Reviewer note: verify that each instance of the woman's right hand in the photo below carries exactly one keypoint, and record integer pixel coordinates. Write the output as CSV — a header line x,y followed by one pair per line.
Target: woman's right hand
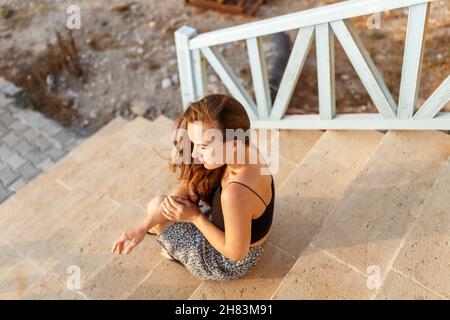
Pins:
x,y
134,235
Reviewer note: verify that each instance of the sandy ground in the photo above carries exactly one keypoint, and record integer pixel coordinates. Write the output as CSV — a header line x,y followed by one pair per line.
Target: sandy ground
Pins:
x,y
129,54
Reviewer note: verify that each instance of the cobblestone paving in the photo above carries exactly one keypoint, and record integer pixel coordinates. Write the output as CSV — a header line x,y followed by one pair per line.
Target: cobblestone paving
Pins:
x,y
29,143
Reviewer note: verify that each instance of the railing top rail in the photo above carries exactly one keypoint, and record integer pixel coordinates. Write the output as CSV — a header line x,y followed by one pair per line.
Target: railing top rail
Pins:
x,y
304,18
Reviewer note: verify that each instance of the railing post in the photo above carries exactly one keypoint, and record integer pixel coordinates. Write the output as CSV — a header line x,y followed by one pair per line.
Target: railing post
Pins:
x,y
435,102
412,60
325,71
199,69
259,76
291,73
185,64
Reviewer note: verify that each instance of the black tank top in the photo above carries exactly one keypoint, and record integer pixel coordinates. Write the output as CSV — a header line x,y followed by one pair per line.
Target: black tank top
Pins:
x,y
260,225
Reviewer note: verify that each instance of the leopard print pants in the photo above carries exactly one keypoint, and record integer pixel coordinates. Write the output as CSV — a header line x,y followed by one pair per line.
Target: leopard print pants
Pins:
x,y
185,243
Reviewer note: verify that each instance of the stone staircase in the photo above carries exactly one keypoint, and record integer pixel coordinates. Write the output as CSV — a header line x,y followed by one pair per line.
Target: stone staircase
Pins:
x,y
350,205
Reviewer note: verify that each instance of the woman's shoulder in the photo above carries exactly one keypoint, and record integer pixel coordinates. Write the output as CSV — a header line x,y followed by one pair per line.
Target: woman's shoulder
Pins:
x,y
254,180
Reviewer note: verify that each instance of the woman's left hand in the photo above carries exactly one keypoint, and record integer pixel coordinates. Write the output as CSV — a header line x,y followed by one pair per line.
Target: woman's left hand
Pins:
x,y
180,209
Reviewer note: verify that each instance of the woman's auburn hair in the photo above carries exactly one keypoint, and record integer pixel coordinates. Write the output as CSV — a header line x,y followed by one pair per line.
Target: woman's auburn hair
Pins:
x,y
218,111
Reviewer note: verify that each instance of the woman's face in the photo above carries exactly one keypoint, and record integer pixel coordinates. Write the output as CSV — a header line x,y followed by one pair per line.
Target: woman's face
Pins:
x,y
208,145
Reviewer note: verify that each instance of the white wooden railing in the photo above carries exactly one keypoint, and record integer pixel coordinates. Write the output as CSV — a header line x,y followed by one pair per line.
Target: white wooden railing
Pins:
x,y
193,51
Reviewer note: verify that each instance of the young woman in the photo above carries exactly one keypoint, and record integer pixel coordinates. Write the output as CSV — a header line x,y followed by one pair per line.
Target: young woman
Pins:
x,y
217,221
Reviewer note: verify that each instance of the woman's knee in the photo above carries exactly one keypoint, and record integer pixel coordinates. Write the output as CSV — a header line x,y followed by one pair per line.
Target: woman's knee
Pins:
x,y
154,203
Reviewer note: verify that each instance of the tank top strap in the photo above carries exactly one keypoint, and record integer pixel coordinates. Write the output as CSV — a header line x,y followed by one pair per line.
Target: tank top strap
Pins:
x,y
250,190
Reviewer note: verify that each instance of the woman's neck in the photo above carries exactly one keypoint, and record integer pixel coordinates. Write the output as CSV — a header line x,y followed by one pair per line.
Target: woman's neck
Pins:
x,y
235,168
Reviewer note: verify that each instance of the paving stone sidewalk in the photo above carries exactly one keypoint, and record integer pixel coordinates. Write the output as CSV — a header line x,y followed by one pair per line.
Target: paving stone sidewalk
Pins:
x,y
29,143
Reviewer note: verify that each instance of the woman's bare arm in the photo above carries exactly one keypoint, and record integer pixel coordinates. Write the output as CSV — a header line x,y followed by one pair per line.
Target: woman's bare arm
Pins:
x,y
234,243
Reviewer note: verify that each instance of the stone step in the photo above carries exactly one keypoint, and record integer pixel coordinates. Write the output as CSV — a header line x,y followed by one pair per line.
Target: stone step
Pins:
x,y
363,234
293,147
114,277
18,279
47,200
48,239
104,155
70,215
134,153
399,287
82,156
31,191
92,251
49,287
318,184
257,284
8,257
105,276
421,268
167,281
160,183
301,206
122,275
90,145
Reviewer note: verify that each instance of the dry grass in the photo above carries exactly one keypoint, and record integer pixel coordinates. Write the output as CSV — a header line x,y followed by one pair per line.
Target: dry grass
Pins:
x,y
32,78
6,12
